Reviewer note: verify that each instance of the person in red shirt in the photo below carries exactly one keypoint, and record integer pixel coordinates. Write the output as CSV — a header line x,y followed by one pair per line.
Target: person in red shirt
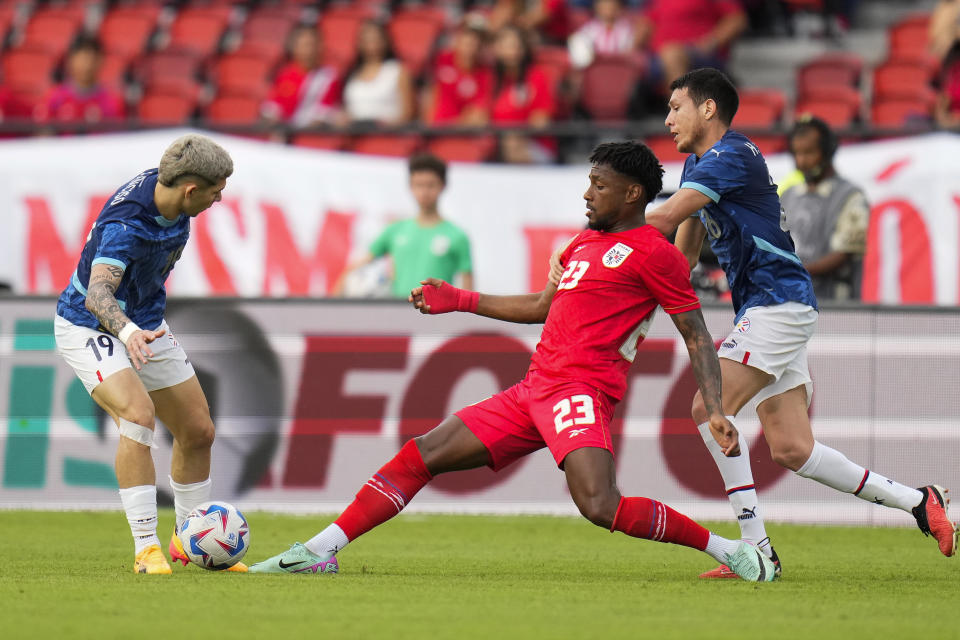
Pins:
x,y
618,272
947,110
522,95
81,99
461,85
689,34
304,92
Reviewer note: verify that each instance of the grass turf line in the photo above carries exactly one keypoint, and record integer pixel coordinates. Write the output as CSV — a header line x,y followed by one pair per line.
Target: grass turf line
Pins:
x,y
70,575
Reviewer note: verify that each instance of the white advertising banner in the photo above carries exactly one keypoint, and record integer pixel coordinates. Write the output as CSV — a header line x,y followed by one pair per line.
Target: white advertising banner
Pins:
x,y
291,218
311,398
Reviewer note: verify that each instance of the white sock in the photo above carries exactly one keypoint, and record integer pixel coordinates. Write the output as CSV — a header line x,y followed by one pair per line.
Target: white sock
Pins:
x,y
188,496
140,505
328,542
738,482
830,467
719,548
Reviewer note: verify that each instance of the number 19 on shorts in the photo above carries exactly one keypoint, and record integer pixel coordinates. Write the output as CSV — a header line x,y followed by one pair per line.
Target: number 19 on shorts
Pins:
x,y
572,411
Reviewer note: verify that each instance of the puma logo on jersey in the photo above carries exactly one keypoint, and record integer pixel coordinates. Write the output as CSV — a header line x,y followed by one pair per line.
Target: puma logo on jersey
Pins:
x,y
579,247
616,255
716,152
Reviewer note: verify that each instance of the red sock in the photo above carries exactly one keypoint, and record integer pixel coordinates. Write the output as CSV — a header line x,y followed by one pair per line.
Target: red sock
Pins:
x,y
652,520
386,493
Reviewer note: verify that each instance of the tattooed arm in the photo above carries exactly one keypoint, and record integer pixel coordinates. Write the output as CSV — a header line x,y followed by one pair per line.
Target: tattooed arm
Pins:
x,y
102,303
706,369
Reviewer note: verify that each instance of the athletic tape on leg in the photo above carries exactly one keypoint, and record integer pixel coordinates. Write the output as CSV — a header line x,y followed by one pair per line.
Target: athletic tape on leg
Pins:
x,y
136,432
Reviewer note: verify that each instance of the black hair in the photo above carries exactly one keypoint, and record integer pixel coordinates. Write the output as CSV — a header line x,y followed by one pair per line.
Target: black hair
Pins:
x,y
500,71
710,84
634,160
86,42
826,138
388,51
429,162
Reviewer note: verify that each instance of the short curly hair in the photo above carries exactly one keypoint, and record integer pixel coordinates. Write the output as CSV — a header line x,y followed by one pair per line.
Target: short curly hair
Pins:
x,y
634,160
194,156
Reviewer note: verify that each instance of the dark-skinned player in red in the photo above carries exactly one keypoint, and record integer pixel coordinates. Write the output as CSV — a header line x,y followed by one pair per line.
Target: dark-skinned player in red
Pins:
x,y
617,272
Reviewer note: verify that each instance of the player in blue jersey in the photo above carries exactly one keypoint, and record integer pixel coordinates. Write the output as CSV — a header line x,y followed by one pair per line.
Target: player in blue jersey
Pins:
x,y
726,194
110,328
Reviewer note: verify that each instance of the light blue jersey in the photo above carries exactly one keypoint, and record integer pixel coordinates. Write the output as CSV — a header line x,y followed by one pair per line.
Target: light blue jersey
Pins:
x,y
131,234
743,222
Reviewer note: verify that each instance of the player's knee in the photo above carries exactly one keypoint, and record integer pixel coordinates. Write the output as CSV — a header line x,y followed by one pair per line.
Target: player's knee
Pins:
x,y
139,412
789,455
599,509
198,436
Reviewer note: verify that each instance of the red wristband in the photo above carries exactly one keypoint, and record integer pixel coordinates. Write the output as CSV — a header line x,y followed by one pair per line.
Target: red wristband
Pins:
x,y
447,298
468,300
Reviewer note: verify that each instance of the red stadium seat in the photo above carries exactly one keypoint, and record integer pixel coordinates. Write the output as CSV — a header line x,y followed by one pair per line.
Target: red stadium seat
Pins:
x,y
233,110
126,33
327,141
413,33
242,74
608,84
463,148
386,145
899,112
198,31
759,109
839,93
770,144
910,35
338,28
665,149
901,79
52,29
554,60
838,115
835,68
113,70
26,69
266,31
168,66
165,109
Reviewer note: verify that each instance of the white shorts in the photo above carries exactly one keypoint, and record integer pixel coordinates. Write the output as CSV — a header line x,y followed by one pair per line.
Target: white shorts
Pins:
x,y
96,355
774,339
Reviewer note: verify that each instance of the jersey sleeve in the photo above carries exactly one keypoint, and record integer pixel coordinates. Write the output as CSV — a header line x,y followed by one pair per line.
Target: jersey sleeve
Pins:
x,y
119,246
381,245
666,274
717,174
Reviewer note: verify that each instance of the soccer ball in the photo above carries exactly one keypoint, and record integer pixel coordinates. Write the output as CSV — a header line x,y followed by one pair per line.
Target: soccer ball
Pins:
x,y
215,535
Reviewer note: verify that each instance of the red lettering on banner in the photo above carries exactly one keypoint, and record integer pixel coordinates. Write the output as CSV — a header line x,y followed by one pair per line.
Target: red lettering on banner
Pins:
x,y
892,169
541,243
323,410
47,248
284,259
427,396
916,256
218,277
687,457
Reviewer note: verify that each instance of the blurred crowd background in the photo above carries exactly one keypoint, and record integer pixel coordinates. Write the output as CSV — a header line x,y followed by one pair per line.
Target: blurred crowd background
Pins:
x,y
522,81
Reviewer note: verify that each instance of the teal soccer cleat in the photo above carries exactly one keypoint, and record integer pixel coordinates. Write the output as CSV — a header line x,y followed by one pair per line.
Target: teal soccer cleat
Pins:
x,y
751,564
296,559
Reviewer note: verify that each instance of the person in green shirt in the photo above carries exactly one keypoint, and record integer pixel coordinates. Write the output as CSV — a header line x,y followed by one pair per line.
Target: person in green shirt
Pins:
x,y
426,246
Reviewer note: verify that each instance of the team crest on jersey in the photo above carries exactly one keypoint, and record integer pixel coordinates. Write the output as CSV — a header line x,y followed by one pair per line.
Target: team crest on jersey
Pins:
x,y
744,325
616,255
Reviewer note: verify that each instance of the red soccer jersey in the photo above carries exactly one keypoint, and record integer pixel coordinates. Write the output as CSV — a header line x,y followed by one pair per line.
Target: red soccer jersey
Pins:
x,y
686,21
604,304
458,89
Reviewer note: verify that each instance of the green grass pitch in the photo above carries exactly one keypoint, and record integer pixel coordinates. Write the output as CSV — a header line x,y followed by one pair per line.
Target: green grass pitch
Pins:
x,y
68,575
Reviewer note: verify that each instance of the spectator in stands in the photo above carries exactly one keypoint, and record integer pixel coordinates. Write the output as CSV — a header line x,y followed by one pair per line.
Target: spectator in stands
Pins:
x,y
427,246
304,92
547,20
947,111
826,214
522,95
610,32
944,27
461,83
81,98
688,34
377,88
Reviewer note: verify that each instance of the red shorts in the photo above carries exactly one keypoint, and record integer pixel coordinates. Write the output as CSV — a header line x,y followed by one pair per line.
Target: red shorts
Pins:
x,y
538,412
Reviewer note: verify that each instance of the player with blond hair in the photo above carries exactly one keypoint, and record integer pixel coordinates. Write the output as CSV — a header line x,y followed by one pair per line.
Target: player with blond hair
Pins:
x,y
110,329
